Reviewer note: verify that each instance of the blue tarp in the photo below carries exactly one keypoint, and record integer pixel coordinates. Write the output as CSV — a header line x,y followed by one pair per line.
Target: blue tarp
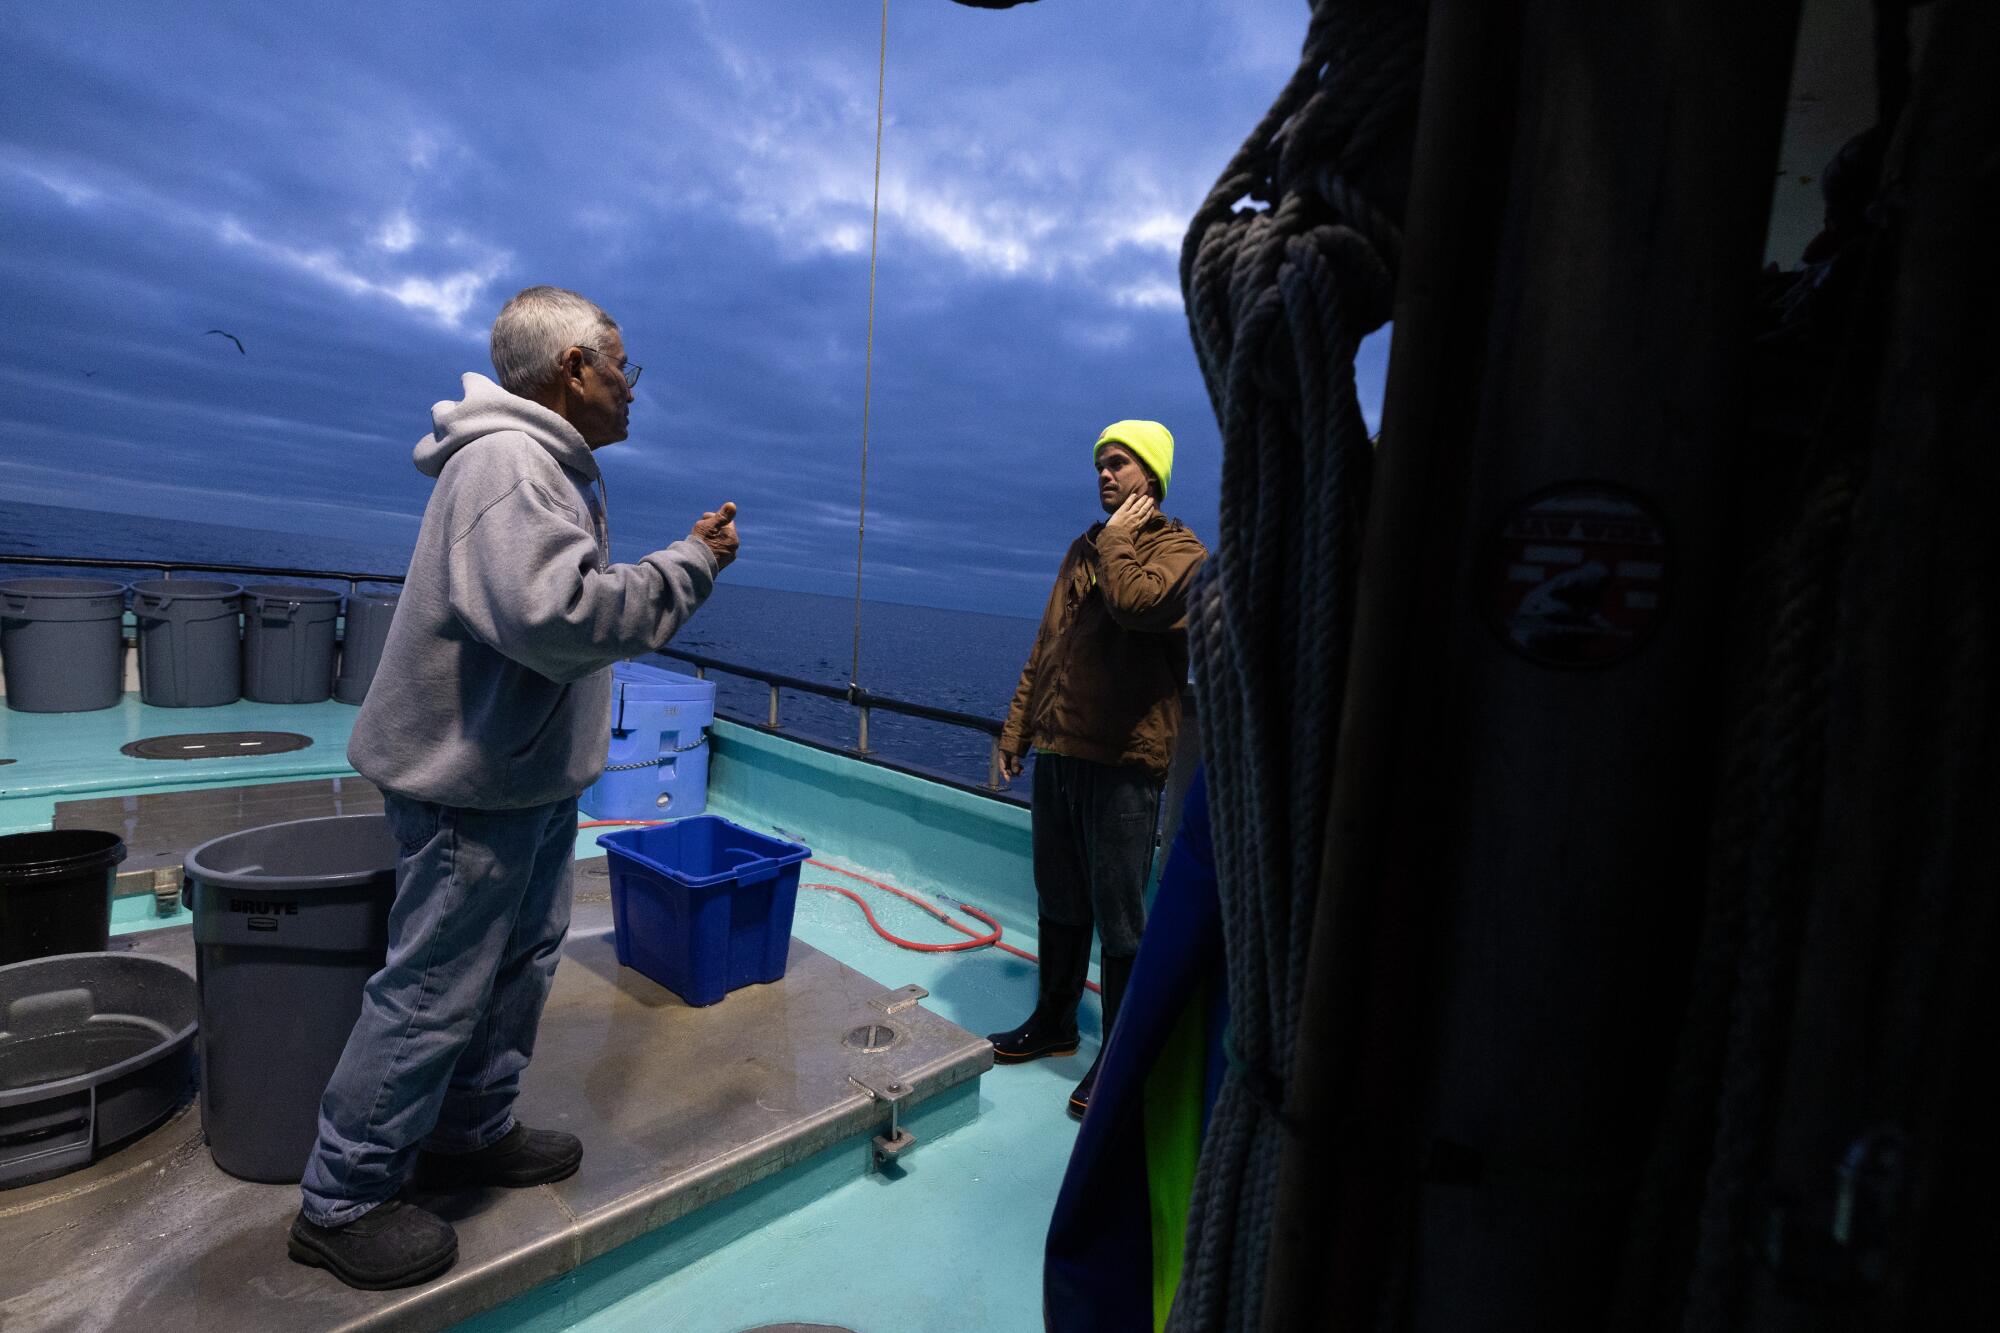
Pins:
x,y
1101,1271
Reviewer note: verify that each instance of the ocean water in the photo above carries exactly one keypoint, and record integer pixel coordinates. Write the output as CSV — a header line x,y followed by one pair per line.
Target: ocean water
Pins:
x,y
960,660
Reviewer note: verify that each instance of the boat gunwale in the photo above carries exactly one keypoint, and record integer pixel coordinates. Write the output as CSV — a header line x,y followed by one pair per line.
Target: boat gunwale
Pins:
x,y
853,695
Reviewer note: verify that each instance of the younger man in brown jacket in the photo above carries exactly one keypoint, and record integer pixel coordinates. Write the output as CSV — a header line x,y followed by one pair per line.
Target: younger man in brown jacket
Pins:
x,y
1099,703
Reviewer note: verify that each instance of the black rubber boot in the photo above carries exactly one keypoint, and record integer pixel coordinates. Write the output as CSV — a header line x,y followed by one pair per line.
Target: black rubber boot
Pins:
x,y
393,1244
1113,975
519,1158
1051,1029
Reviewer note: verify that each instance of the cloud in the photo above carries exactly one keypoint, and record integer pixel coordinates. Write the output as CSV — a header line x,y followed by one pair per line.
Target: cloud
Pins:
x,y
397,233
421,150
445,297
967,177
1159,231
974,221
322,184
1155,294
73,192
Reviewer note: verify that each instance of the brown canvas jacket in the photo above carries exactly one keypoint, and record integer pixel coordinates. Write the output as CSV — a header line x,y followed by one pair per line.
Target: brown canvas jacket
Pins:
x,y
1104,679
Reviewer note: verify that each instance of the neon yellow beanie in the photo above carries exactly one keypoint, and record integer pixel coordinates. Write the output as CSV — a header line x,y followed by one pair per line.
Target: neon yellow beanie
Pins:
x,y
1150,442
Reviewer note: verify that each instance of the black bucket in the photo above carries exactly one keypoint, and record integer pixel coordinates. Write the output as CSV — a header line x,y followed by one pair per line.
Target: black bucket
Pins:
x,y
55,892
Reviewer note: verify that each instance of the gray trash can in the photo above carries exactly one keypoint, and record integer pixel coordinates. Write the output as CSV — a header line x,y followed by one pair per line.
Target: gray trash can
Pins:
x,y
63,642
190,642
290,921
368,617
288,643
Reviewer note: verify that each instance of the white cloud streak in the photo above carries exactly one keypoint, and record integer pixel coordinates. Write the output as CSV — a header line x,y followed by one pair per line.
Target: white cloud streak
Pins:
x,y
1002,204
445,294
445,297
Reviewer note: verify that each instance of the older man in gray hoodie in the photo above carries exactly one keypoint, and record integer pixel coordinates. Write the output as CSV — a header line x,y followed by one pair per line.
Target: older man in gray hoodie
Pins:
x,y
489,713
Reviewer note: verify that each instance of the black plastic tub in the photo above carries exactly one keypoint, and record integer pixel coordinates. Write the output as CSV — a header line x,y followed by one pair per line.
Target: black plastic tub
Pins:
x,y
55,892
95,1049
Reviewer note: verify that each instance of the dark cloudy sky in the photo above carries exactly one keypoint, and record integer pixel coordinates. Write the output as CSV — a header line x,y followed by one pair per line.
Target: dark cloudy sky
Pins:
x,y
354,189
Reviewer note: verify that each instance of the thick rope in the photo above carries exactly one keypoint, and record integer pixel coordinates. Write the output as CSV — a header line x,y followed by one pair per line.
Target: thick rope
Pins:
x,y
868,365
1653,1269
1872,948
1695,1220
1278,300
1789,776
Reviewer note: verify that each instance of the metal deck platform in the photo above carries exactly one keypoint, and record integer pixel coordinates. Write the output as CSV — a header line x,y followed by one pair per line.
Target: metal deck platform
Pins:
x,y
159,828
677,1108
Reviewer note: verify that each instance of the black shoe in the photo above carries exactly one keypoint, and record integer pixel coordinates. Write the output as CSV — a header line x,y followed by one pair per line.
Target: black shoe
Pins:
x,y
393,1244
1115,974
517,1159
1036,1039
1079,1101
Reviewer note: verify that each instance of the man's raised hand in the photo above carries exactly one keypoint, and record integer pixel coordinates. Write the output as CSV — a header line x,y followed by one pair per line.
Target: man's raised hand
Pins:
x,y
717,531
1135,513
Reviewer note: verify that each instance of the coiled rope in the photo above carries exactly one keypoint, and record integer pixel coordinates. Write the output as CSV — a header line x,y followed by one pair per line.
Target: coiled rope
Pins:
x,y
1280,292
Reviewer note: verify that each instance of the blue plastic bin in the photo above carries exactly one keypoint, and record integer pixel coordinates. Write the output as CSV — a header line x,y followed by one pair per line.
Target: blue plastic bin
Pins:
x,y
658,766
701,905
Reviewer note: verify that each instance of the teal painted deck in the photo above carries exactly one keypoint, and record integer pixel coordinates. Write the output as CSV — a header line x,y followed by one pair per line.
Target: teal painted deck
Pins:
x,y
949,1240
62,756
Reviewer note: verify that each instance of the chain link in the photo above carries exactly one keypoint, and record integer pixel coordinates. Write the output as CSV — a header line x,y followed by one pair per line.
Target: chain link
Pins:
x,y
655,763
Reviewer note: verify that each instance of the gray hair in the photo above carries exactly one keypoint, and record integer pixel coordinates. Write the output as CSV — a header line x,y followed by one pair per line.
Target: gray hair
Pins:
x,y
534,329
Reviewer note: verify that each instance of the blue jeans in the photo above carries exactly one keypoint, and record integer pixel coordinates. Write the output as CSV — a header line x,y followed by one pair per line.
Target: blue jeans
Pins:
x,y
448,1024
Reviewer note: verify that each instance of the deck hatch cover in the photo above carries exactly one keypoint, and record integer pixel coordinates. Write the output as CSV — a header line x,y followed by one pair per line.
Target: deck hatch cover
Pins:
x,y
873,1037
215,744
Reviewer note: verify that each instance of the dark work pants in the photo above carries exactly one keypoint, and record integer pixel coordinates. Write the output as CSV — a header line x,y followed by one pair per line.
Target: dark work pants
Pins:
x,y
1093,830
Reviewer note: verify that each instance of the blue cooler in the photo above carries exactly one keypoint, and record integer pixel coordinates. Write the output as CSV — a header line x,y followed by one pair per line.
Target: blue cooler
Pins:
x,y
701,905
658,767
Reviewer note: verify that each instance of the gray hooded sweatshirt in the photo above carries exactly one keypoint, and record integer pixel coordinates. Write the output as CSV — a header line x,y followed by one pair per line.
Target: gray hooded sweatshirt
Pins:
x,y
494,690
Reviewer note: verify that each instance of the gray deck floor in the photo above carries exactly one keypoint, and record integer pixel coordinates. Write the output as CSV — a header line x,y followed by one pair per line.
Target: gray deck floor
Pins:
x,y
677,1107
159,828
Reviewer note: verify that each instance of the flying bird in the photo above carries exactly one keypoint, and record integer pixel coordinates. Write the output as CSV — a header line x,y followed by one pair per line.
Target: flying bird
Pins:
x,y
232,337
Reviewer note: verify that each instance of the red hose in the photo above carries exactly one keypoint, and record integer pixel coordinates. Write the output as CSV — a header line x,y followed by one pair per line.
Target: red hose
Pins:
x,y
977,941
974,939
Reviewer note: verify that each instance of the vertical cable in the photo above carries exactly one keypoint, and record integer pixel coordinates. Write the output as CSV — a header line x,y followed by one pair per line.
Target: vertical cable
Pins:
x,y
868,372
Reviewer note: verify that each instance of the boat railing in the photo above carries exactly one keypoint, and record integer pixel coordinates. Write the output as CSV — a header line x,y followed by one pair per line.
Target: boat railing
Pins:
x,y
168,568
863,701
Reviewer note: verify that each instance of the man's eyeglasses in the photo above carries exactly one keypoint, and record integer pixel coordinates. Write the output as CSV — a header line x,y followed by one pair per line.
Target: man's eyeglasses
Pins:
x,y
625,368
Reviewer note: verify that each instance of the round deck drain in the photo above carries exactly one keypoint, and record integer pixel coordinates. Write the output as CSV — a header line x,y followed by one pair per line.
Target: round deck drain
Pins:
x,y
593,881
872,1037
215,744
